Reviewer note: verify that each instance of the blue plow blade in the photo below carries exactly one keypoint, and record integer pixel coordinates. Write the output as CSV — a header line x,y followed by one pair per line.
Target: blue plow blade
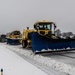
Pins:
x,y
13,41
40,43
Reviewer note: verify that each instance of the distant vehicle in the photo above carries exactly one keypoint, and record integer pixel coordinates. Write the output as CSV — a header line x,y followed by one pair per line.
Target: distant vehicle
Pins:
x,y
3,38
14,37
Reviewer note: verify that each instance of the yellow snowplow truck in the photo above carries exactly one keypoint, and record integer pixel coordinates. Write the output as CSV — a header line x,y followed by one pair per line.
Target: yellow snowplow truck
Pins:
x,y
43,38
14,37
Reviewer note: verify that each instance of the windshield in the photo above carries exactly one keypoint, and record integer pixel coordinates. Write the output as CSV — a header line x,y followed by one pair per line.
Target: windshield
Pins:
x,y
16,32
45,26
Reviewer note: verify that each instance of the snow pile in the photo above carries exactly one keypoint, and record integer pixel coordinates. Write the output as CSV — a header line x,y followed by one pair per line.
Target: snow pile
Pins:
x,y
62,67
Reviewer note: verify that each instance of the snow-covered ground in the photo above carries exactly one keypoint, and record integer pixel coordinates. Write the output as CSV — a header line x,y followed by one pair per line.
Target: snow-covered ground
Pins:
x,y
13,64
49,62
64,57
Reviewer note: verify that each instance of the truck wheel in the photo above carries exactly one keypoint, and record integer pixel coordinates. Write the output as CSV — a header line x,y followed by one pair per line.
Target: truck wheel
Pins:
x,y
24,43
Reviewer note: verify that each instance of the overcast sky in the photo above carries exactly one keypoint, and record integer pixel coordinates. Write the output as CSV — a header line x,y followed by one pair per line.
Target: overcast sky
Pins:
x,y
18,14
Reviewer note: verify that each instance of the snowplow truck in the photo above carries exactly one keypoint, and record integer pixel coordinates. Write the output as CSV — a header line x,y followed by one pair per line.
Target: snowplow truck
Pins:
x,y
14,38
42,38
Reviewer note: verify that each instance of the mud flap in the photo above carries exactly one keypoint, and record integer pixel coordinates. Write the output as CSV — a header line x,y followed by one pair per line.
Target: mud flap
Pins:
x,y
41,43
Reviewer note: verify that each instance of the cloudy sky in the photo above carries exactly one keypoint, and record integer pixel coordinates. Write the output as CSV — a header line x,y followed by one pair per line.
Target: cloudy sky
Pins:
x,y
18,14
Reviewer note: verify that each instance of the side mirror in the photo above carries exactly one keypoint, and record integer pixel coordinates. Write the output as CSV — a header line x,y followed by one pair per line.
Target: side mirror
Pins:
x,y
36,27
55,26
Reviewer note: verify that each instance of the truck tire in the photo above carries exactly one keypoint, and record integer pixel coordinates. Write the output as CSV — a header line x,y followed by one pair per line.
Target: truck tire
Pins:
x,y
24,43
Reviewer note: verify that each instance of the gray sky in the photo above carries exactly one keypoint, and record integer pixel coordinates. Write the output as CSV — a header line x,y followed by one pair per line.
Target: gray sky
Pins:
x,y
18,14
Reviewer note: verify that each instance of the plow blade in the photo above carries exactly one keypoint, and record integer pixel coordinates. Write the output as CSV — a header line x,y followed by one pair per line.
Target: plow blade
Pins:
x,y
13,41
41,43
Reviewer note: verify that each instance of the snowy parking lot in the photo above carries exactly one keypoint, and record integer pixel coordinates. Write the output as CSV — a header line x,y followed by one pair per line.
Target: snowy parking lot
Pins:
x,y
49,64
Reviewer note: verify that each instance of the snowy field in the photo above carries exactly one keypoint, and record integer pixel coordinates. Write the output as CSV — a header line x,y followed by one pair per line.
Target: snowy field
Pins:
x,y
58,65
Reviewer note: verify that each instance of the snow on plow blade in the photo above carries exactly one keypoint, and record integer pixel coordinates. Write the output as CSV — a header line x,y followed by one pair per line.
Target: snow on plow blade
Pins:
x,y
41,43
13,41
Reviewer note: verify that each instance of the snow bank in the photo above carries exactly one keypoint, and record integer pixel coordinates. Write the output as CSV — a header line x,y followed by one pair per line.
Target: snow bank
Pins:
x,y
62,67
